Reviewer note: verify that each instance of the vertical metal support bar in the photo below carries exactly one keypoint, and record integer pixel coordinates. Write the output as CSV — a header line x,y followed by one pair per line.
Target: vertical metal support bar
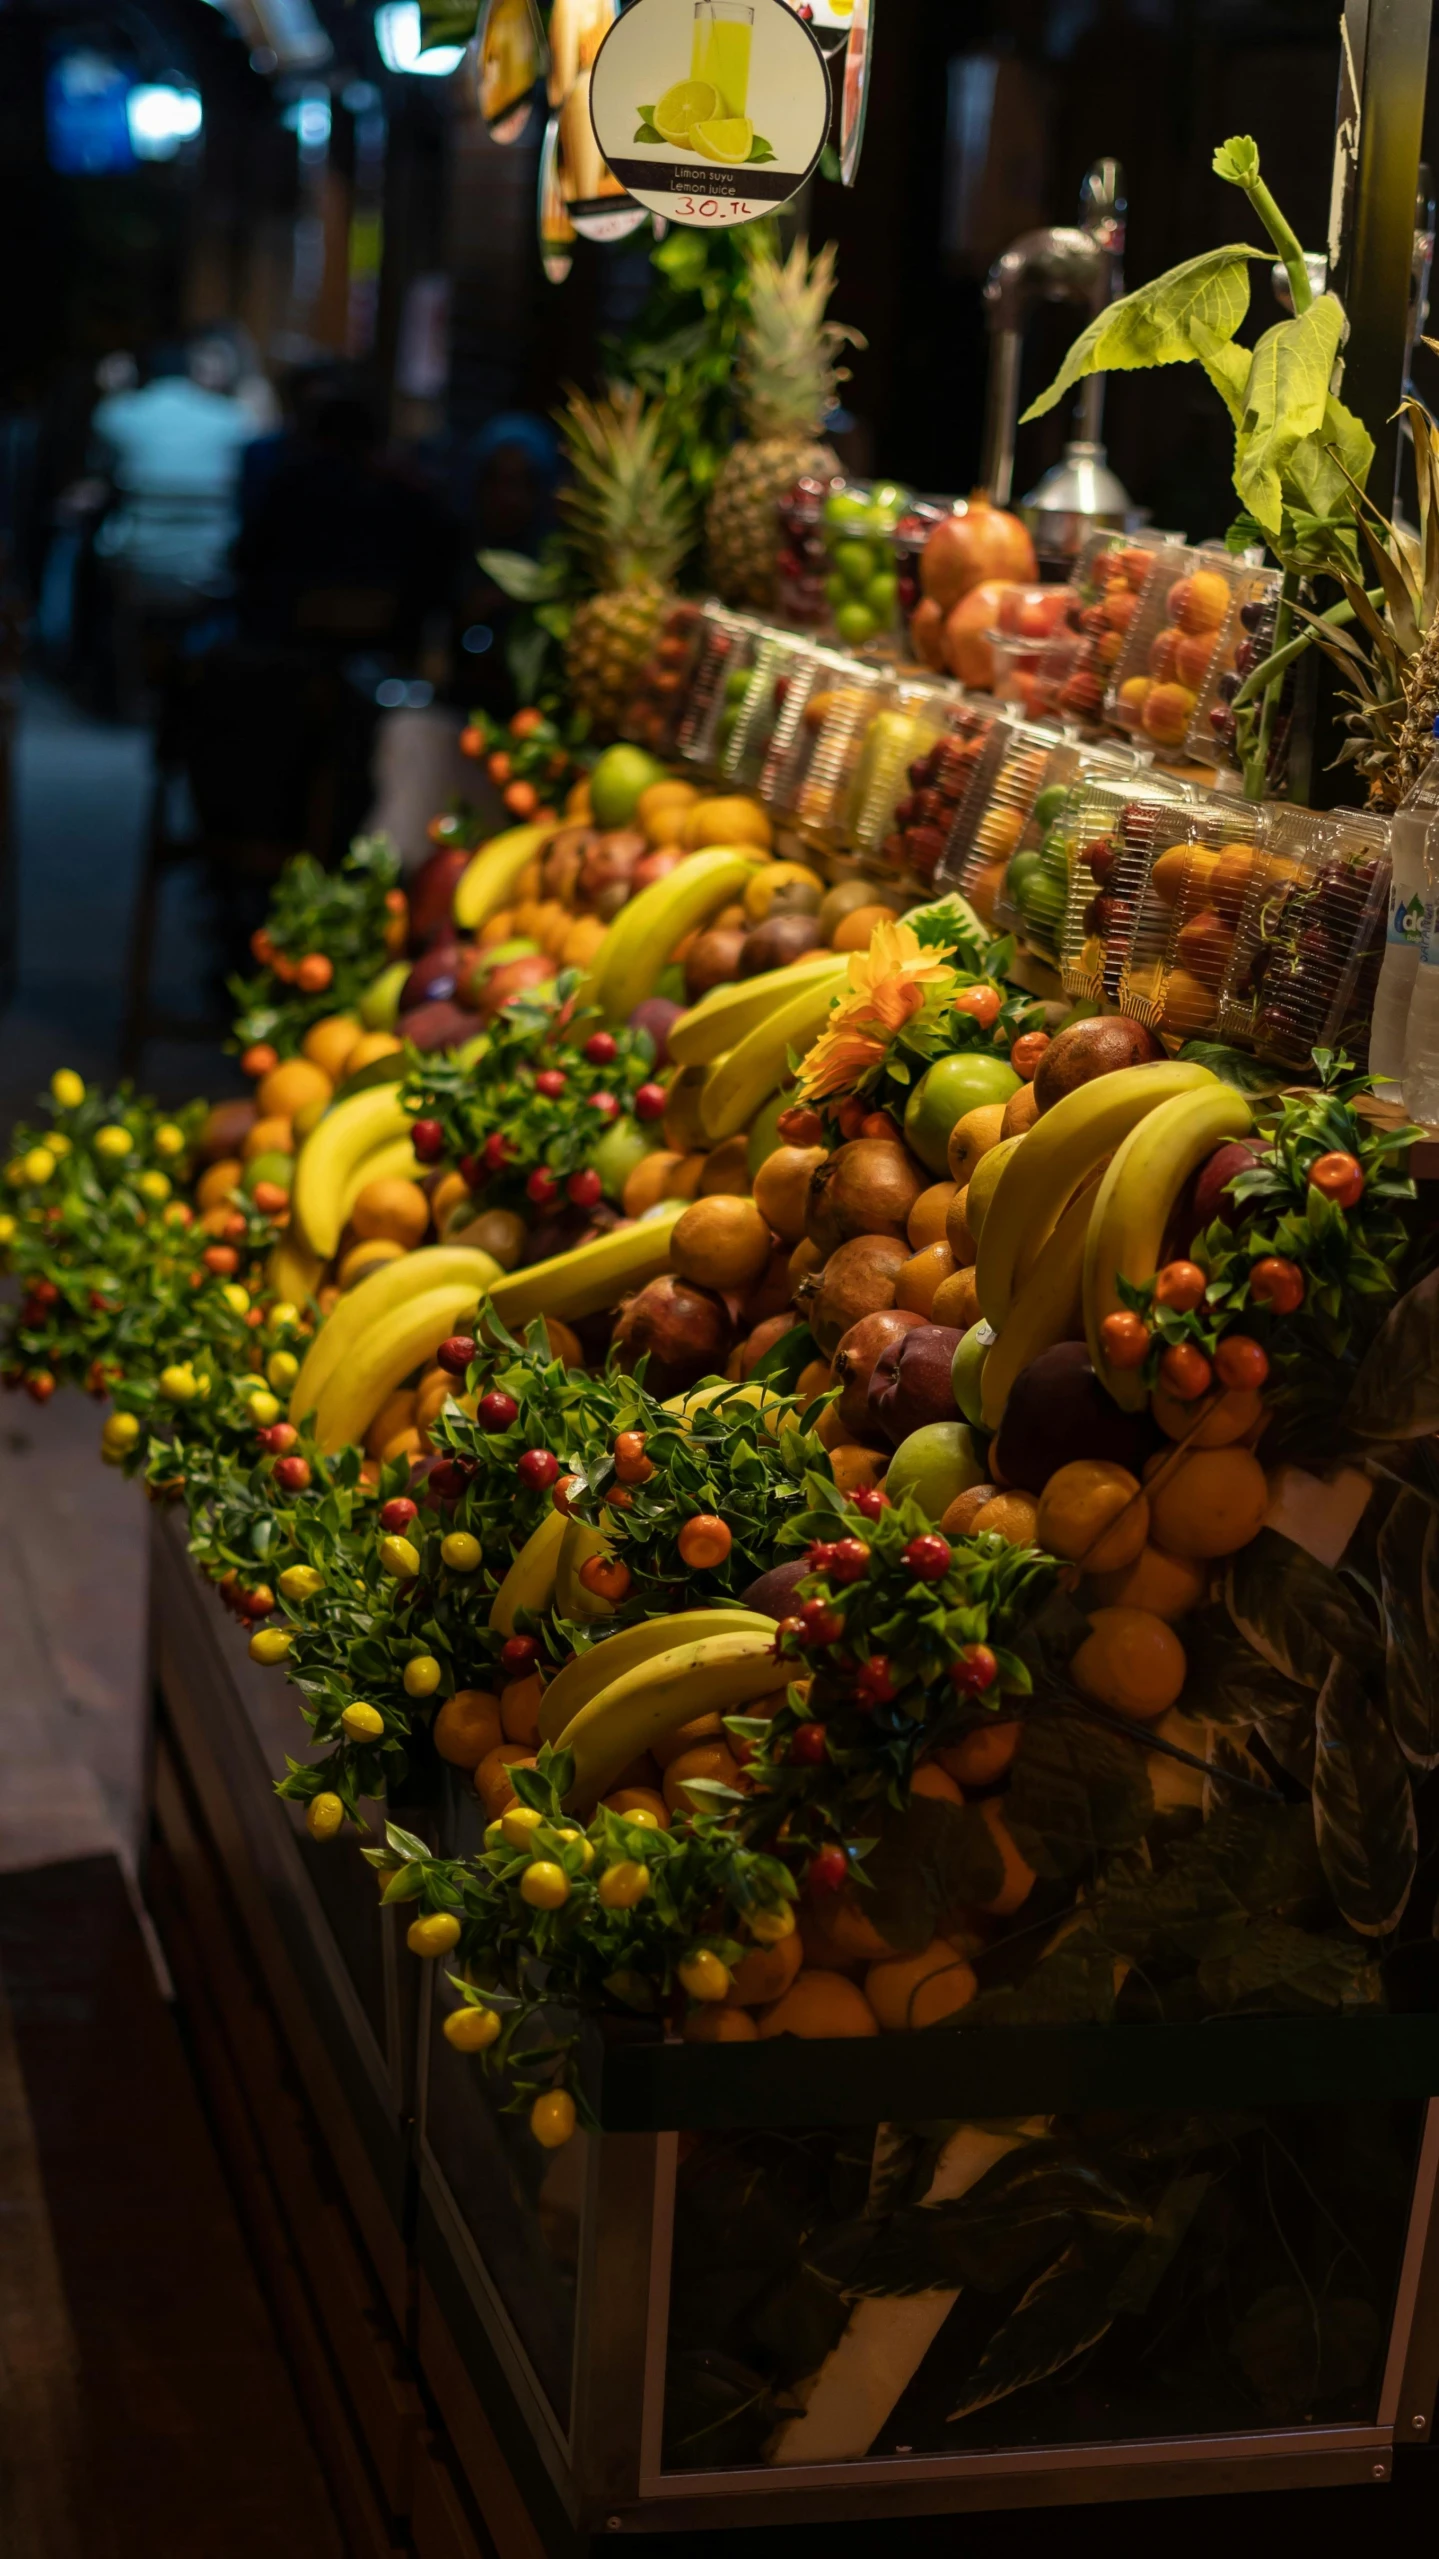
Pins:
x,y
1381,93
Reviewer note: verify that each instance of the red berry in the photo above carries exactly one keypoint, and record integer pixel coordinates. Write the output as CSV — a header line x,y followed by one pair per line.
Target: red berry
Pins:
x,y
279,1437
1277,1284
496,1150
606,1104
473,1172
455,1355
1180,1286
819,1625
446,1481
292,1474
1241,1362
542,1186
602,1048
849,1560
428,1140
819,1557
790,1630
650,1102
222,1259
870,1501
551,1081
800,1126
828,1871
585,1188
44,1292
497,1410
806,1745
518,1654
537,1469
927,1556
1124,1339
1340,1177
396,1516
874,1683
975,1670
1185,1371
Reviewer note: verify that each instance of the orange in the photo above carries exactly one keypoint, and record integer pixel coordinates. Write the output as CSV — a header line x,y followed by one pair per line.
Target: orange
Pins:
x,y
520,1710
1018,1880
982,1756
268,1137
1094,1514
917,1280
956,1301
1132,1661
1226,1417
452,1192
492,1777
957,1233
1167,1585
397,1413
328,1044
374,1044
840,1932
364,1258
1020,1111
854,931
396,1209
720,1242
929,1215
920,1990
563,1343
431,1396
648,1184
854,1469
1011,1515
639,1799
683,1737
407,1443
467,1727
764,1973
931,1780
218,1182
820,2004
716,2024
711,1759
1212,1504
288,1087
960,1517
970,1137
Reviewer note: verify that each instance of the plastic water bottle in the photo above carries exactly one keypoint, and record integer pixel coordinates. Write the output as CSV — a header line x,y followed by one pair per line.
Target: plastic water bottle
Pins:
x,y
1396,994
1421,1045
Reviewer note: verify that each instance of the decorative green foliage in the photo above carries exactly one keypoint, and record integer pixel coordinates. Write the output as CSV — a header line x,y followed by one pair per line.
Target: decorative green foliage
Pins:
x,y
1155,325
343,915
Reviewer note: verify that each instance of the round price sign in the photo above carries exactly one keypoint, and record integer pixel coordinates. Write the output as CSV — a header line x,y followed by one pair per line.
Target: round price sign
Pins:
x,y
710,111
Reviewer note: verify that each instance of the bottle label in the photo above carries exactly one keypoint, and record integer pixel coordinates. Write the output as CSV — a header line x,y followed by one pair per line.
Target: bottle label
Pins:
x,y
1406,918
1429,946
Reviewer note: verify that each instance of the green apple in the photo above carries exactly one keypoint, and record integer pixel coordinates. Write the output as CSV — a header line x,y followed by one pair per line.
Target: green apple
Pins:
x,y
968,1369
270,1167
380,1004
1049,803
617,781
624,1145
953,1086
936,1463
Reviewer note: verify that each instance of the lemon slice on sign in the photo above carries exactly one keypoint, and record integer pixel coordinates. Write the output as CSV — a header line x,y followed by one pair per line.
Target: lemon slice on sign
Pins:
x,y
728,138
684,106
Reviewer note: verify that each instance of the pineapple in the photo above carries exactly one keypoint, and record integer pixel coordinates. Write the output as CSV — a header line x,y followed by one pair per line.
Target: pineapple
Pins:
x,y
787,381
631,519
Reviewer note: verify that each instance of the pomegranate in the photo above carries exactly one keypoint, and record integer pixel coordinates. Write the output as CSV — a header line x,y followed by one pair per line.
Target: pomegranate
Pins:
x,y
967,652
972,546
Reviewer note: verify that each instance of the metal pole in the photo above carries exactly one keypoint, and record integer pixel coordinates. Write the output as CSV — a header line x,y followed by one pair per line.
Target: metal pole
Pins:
x,y
1376,173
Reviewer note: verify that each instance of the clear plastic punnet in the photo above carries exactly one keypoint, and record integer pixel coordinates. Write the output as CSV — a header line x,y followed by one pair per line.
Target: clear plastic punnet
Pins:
x,y
813,782
657,705
726,647
1244,641
1310,940
1115,825
997,824
1187,900
1170,639
1087,636
900,738
751,718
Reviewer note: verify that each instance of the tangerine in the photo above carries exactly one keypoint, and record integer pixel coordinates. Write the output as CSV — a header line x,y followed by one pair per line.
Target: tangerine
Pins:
x,y
1130,1660
710,1759
983,1755
920,1990
467,1727
1212,1505
1093,1513
714,2024
1018,1879
1167,1585
1226,1417
393,1208
934,1783
639,1799
929,1216
1014,1516
492,1777
764,1973
917,1281
820,2005
287,1088
960,1517
956,1301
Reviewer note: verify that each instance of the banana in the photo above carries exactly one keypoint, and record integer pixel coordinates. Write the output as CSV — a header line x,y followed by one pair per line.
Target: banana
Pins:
x,y
382,1359
741,1083
1133,1206
292,1273
1048,1308
394,1162
1052,1160
415,1275
349,1131
530,1581
644,933
585,1674
729,1013
592,1276
489,883
714,1674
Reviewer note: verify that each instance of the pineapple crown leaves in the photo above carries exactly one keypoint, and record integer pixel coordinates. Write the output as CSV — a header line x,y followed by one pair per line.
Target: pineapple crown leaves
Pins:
x,y
789,370
629,512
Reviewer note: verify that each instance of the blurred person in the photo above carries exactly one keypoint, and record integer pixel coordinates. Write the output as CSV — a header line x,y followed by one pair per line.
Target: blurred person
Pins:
x,y
174,452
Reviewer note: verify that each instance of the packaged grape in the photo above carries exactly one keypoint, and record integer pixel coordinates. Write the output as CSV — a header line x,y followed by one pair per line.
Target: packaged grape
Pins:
x,y
813,672
904,733
1116,824
907,549
722,637
804,565
1169,641
776,662
1310,935
656,706
923,818
725,683
1085,645
1187,892
813,785
1245,640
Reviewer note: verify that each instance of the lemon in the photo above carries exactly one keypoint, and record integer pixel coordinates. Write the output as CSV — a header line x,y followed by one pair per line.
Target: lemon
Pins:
x,y
683,107
727,138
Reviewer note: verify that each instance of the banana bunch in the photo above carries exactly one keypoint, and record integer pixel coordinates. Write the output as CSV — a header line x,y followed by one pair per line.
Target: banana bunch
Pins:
x,y
391,1346
332,1165
585,1674
704,1675
530,1582
1063,1150
591,1277
395,1162
729,1013
643,934
1048,1308
741,1081
1134,1203
395,1285
494,874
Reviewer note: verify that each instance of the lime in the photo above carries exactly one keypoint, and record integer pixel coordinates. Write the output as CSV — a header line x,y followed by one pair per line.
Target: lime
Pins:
x,y
1054,857
835,590
845,506
854,562
737,684
726,138
683,107
1050,801
1041,903
1022,868
882,594
854,622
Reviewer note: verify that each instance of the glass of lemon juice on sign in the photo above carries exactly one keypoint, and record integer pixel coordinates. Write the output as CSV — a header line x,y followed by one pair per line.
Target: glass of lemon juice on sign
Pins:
x,y
724,30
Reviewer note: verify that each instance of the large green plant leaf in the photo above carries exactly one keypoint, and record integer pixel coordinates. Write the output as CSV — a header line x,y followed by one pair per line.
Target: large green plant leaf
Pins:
x,y
1065,2311
1396,1393
1363,1806
1295,1611
1072,1985
1295,2349
1078,1792
1274,1968
1155,325
933,1862
1284,402
1408,1558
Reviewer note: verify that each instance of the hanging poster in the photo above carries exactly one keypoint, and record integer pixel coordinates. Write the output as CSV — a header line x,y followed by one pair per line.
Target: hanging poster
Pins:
x,y
830,20
597,203
710,111
854,93
513,58
557,232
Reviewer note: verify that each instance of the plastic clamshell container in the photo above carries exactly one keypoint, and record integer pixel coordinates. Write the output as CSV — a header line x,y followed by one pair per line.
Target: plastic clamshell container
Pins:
x,y
1016,665
1253,591
800,597
857,525
777,659
903,734
726,652
657,705
1190,892
1034,764
1168,645
825,747
1310,937
1113,826
1074,669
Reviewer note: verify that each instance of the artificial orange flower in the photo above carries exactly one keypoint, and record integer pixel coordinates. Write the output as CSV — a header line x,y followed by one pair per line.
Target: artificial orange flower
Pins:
x,y
887,982
838,1061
